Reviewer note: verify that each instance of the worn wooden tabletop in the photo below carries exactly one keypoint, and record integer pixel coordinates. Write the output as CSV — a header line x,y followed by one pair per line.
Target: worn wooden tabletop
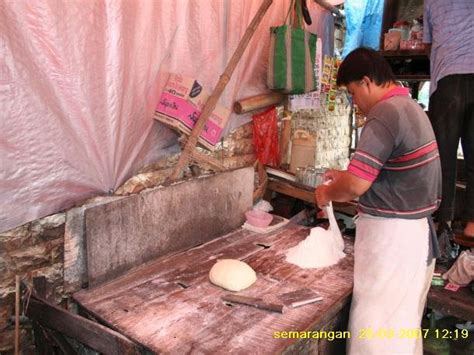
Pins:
x,y
170,306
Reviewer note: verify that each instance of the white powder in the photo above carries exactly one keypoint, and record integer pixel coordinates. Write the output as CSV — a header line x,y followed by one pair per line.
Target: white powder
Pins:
x,y
321,248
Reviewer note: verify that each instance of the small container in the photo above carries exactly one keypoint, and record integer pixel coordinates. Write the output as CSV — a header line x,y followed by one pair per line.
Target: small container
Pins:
x,y
300,174
404,27
258,218
392,39
310,176
320,176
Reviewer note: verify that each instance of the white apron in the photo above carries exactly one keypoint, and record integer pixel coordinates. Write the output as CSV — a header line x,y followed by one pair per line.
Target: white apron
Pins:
x,y
391,281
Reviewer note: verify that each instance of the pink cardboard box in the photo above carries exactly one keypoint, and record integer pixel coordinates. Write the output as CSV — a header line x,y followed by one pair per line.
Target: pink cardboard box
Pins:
x,y
181,104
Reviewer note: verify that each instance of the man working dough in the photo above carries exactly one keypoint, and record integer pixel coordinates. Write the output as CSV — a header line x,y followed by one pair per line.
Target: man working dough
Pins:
x,y
397,175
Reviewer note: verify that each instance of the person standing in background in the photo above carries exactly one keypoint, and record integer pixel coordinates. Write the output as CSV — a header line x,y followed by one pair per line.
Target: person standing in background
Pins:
x,y
449,31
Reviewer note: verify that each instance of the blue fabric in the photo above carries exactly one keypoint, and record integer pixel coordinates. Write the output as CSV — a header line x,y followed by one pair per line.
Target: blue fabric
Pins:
x,y
363,24
449,27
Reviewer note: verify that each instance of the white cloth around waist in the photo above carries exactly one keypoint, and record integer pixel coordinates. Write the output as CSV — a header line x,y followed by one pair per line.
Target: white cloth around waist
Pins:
x,y
391,281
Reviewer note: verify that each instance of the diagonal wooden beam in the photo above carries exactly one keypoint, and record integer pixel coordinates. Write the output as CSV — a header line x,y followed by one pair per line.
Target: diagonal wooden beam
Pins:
x,y
217,92
206,159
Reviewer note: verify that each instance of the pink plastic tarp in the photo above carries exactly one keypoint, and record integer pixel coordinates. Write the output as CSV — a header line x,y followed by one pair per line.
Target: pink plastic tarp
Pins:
x,y
79,81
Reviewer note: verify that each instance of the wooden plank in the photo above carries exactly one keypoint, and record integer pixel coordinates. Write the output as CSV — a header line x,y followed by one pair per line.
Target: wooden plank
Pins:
x,y
324,346
133,230
256,329
306,193
75,254
148,306
75,265
211,161
174,268
302,193
90,333
459,304
405,54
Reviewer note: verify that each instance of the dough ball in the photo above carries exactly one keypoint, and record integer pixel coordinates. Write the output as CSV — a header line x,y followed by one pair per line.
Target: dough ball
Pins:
x,y
231,274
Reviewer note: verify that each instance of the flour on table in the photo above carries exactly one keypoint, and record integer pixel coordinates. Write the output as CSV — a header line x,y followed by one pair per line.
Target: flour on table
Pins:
x,y
321,248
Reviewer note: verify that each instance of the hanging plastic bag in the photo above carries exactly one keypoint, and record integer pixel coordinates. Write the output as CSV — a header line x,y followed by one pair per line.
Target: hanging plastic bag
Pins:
x,y
265,137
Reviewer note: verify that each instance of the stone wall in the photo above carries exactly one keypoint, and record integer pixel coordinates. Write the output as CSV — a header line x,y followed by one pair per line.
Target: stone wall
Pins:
x,y
31,250
331,130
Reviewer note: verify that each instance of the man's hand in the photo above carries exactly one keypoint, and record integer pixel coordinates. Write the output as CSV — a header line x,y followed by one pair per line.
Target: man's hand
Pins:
x,y
321,192
321,196
340,186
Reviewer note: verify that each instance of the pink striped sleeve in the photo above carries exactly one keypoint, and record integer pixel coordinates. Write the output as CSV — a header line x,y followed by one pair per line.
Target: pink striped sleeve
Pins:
x,y
363,174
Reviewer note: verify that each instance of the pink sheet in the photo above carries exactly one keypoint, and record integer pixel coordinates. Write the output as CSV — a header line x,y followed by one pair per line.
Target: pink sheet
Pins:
x,y
79,81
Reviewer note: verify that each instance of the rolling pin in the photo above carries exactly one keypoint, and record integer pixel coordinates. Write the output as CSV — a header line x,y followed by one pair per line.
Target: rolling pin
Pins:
x,y
254,302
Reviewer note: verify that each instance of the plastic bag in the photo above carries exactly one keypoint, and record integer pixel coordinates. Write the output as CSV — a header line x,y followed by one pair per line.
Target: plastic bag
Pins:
x,y
263,205
462,272
265,137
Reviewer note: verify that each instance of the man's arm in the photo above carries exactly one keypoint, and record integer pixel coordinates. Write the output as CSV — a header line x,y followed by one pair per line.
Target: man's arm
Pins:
x,y
343,187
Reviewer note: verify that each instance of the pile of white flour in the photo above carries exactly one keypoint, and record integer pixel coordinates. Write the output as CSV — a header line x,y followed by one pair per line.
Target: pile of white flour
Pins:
x,y
321,248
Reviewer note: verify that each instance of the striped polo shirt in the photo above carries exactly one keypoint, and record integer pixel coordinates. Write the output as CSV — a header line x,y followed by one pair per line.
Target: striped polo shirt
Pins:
x,y
449,27
398,154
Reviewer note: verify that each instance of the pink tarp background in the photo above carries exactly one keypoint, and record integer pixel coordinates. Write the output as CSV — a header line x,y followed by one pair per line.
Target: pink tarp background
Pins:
x,y
79,81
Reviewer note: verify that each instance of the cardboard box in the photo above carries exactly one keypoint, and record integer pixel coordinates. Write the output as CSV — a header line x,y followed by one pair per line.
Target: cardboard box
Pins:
x,y
180,107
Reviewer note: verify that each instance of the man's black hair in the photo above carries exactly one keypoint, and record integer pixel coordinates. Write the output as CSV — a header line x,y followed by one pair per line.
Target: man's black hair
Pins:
x,y
365,62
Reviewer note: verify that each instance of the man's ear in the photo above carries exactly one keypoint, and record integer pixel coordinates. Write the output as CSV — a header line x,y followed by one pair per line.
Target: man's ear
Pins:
x,y
366,80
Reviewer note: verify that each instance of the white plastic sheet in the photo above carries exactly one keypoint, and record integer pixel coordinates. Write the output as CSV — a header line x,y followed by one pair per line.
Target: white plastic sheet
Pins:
x,y
79,81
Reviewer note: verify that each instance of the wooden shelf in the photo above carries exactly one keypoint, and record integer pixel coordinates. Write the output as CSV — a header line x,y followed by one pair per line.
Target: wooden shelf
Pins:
x,y
296,190
457,304
412,77
412,66
306,193
405,54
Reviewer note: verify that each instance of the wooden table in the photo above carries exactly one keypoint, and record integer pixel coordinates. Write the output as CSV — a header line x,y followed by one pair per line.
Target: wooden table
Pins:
x,y
169,305
458,304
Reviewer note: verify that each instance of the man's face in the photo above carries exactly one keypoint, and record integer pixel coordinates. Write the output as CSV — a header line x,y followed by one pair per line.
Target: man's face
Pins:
x,y
360,92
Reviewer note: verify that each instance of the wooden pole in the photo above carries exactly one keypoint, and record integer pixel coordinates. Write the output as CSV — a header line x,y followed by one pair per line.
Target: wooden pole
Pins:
x,y
217,92
285,138
257,102
17,314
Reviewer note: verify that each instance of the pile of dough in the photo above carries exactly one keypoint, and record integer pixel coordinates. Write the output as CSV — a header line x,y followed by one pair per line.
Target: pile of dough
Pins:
x,y
231,274
321,248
